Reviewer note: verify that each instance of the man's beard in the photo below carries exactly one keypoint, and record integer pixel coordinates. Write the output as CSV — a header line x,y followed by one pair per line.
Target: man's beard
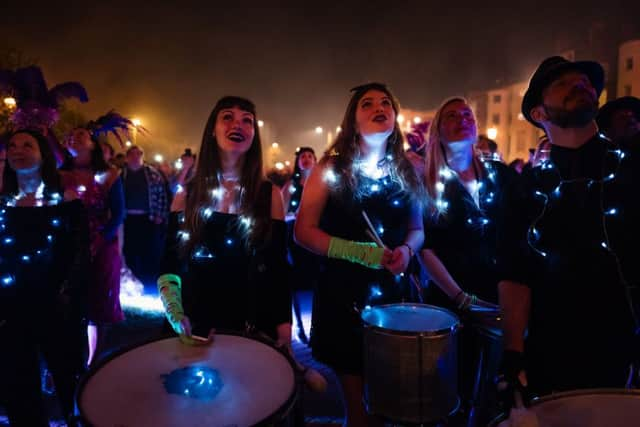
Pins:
x,y
579,117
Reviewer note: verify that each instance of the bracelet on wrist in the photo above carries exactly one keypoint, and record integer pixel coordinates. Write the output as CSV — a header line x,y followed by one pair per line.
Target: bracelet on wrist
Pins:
x,y
411,252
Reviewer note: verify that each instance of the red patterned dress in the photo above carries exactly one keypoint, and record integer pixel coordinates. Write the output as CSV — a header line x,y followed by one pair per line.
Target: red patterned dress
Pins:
x,y
103,197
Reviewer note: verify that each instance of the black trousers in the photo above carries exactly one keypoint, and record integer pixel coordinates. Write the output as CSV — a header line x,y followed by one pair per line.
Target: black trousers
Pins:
x,y
144,244
58,340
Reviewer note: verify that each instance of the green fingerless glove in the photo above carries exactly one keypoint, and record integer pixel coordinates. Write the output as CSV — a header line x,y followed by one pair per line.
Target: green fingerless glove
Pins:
x,y
169,289
364,253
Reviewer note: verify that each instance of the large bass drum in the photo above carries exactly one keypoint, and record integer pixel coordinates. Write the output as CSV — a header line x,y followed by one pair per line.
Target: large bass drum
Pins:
x,y
235,381
582,408
410,362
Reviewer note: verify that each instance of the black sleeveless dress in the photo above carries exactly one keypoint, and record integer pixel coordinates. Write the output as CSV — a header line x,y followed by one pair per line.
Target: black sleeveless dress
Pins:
x,y
44,259
227,285
345,288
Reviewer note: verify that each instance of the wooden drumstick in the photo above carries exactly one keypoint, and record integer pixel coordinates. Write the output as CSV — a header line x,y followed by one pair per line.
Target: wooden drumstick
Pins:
x,y
195,340
372,231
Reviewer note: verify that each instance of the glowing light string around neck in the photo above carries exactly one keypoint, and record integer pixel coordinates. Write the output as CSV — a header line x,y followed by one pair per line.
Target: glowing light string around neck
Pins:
x,y
534,234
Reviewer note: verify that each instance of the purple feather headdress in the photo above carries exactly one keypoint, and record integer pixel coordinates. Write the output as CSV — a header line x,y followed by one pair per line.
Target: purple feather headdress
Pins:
x,y
115,124
37,105
416,137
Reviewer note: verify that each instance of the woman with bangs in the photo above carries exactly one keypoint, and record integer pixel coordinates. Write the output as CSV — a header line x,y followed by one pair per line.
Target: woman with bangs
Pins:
x,y
226,255
364,172
460,225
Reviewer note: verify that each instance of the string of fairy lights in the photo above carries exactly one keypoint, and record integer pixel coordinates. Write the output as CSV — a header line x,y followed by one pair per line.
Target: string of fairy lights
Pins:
x,y
606,213
9,240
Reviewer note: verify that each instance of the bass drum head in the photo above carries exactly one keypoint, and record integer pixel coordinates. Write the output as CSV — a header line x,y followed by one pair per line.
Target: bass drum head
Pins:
x,y
255,382
584,408
410,318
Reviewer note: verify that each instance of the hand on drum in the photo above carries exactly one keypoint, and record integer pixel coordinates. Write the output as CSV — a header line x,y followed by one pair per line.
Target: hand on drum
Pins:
x,y
511,382
396,261
470,303
186,337
520,415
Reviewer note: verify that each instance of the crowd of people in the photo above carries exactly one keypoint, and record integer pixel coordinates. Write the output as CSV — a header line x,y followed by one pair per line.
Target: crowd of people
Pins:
x,y
548,244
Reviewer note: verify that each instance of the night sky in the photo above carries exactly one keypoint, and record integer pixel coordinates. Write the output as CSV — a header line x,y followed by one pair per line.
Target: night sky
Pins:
x,y
168,62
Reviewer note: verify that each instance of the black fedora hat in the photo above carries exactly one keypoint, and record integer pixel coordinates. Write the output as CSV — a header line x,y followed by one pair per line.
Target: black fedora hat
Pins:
x,y
625,103
548,71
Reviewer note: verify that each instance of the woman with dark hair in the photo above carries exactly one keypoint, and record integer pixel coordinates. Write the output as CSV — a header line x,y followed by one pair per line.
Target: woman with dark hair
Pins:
x,y
292,190
226,256
44,243
99,187
363,172
305,267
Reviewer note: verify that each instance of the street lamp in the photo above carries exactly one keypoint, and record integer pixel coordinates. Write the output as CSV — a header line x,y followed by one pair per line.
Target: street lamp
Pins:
x,y
10,102
136,122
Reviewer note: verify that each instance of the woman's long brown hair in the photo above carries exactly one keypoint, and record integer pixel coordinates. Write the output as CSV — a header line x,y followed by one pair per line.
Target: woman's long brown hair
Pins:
x,y
208,177
345,150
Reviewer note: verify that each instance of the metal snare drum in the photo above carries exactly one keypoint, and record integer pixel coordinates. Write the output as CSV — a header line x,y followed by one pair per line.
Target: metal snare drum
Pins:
x,y
410,362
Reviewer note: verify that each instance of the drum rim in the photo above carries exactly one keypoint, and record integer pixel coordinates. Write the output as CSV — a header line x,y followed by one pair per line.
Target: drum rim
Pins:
x,y
572,393
281,412
439,332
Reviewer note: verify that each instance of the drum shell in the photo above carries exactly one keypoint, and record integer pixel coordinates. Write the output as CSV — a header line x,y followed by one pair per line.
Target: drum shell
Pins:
x,y
411,377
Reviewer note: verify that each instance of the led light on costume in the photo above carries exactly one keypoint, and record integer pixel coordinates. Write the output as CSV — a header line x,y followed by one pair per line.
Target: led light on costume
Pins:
x,y
100,178
533,235
202,253
206,212
7,281
330,177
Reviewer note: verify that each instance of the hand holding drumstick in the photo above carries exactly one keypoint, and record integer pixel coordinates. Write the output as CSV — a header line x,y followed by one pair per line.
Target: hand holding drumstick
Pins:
x,y
396,260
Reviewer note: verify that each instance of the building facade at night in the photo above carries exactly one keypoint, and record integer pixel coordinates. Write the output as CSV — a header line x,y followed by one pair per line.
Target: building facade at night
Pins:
x,y
498,109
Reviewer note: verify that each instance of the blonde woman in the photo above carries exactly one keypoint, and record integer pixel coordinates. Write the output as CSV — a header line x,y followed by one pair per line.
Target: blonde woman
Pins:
x,y
460,225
